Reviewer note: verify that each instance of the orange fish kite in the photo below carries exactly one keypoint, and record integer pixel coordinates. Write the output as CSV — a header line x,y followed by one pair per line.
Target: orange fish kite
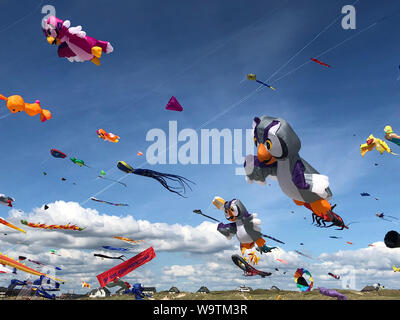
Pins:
x,y
107,136
17,104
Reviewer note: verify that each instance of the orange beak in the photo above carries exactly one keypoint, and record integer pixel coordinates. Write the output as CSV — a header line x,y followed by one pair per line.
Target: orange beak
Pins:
x,y
264,156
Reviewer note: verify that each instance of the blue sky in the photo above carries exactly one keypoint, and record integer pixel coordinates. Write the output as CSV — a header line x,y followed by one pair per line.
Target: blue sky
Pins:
x,y
200,52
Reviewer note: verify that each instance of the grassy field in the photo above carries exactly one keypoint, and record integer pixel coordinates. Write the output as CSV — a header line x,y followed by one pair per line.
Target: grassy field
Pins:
x,y
265,295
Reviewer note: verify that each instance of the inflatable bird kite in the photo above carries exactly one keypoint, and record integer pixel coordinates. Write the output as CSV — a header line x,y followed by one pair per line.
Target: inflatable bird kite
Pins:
x,y
278,157
73,43
375,143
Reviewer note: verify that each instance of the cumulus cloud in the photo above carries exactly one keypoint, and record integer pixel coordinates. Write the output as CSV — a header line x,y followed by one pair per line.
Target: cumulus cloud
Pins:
x,y
202,243
100,229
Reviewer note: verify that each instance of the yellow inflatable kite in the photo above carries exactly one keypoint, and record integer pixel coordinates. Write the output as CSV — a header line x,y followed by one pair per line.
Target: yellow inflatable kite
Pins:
x,y
375,143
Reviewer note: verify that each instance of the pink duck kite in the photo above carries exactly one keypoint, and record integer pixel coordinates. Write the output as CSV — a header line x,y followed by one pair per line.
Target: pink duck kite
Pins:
x,y
73,43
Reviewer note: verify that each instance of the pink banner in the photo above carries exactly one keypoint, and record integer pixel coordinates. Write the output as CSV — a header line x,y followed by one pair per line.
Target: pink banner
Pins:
x,y
126,267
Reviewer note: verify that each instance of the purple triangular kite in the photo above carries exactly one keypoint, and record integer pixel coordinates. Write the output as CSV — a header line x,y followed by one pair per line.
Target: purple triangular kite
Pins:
x,y
174,105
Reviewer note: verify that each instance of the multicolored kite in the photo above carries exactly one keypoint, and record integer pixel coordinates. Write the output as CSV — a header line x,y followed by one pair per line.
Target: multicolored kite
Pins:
x,y
253,77
5,260
58,154
79,162
128,240
52,227
106,136
391,136
301,282
6,201
375,143
11,225
74,44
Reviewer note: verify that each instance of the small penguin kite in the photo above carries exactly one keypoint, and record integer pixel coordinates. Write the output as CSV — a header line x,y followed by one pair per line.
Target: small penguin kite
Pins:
x,y
17,104
73,43
245,226
375,143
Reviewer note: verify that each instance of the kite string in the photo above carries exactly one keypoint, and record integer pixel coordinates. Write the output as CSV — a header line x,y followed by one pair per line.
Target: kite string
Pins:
x,y
308,44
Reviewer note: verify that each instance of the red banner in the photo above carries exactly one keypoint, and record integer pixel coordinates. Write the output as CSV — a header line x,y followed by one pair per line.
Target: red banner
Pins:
x,y
126,267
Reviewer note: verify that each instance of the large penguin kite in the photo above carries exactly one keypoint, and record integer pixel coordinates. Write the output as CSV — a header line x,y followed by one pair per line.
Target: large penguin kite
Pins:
x,y
278,156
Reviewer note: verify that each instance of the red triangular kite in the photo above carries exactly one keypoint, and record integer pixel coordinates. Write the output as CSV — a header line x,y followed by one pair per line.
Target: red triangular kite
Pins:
x,y
174,105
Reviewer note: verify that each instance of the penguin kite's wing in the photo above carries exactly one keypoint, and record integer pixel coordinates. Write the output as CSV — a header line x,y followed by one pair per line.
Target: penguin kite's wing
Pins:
x,y
259,172
228,230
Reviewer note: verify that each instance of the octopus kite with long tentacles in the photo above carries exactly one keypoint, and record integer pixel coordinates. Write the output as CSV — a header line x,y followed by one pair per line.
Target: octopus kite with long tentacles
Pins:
x,y
160,177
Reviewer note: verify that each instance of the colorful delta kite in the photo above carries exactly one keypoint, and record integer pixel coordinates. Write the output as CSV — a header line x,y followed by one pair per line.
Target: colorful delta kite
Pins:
x,y
79,162
5,260
17,104
160,177
174,105
85,285
58,154
301,282
133,242
73,43
140,153
331,293
6,201
248,270
110,203
278,156
375,143
391,136
11,225
245,226
126,267
52,227
320,62
253,77
106,136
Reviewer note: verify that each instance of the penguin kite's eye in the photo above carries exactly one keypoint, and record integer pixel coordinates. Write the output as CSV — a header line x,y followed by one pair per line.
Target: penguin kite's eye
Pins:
x,y
235,210
268,144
